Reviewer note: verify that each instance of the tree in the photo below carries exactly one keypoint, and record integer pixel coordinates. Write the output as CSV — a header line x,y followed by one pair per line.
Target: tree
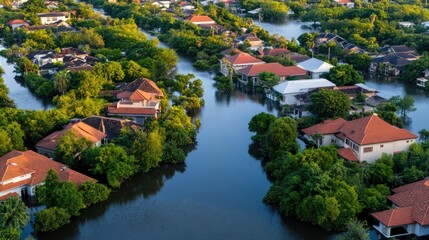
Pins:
x,y
424,135
70,146
268,79
114,163
261,122
93,193
62,81
355,231
55,193
343,75
25,65
13,214
148,149
405,104
329,104
281,137
50,219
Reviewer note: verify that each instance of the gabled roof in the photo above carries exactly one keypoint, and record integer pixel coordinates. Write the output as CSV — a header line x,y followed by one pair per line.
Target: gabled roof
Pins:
x,y
413,205
81,129
400,49
248,36
199,18
37,165
276,68
243,58
348,154
326,127
300,86
315,65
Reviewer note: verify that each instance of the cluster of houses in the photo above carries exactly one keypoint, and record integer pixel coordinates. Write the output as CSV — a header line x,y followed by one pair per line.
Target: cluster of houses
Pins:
x,y
55,21
21,172
393,60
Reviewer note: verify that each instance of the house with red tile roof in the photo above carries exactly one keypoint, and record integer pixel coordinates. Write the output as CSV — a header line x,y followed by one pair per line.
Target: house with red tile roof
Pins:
x,y
200,19
274,52
22,172
237,61
48,145
138,100
410,212
13,24
251,73
363,139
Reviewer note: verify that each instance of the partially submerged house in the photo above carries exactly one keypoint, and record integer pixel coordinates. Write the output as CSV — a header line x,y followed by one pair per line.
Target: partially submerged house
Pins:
x,y
315,66
237,61
394,60
22,172
252,39
422,82
110,126
363,139
410,213
48,145
251,73
137,100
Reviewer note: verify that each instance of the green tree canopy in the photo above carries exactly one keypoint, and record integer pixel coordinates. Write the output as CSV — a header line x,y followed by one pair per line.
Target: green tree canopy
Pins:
x,y
329,104
343,75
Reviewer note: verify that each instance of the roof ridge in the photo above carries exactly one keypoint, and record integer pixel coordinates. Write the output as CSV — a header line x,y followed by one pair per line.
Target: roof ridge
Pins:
x,y
426,213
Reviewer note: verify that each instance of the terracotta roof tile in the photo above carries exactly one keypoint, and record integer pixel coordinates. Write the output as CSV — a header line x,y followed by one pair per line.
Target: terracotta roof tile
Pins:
x,y
348,154
5,197
17,21
110,126
81,129
144,85
395,217
276,51
243,58
198,18
327,127
275,68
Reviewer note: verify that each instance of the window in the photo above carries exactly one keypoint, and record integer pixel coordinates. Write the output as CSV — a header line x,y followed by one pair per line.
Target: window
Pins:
x,y
367,149
333,141
54,19
355,147
381,146
347,142
408,141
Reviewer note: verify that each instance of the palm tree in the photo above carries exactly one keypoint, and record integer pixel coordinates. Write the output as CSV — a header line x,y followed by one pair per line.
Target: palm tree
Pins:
x,y
62,81
13,213
317,138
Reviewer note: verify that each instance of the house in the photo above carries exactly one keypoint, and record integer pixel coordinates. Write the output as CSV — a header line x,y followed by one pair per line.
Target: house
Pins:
x,y
425,24
406,24
325,38
290,92
22,172
363,139
252,39
138,100
397,49
52,17
252,72
422,81
274,52
110,126
13,24
315,66
394,63
237,61
48,145
200,20
355,90
410,212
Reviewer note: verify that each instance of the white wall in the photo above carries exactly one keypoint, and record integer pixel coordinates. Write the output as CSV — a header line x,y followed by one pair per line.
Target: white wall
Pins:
x,y
379,149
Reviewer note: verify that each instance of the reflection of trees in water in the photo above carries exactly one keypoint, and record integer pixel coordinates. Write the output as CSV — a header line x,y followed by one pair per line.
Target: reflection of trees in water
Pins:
x,y
143,184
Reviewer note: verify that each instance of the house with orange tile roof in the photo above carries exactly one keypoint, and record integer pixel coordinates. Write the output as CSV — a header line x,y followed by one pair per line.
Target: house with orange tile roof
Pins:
x,y
363,139
22,172
48,145
200,20
252,39
237,61
138,100
410,212
251,73
13,24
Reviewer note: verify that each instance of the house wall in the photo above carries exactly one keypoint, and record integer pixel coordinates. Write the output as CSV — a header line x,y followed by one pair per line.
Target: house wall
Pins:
x,y
380,148
421,230
49,20
45,152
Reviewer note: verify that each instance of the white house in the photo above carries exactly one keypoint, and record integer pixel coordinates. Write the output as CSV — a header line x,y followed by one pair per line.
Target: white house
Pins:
x,y
22,172
290,90
13,24
315,66
363,139
410,212
421,82
406,24
52,17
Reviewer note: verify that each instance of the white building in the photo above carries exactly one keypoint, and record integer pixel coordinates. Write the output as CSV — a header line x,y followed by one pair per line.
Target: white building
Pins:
x,y
363,139
52,17
289,90
315,66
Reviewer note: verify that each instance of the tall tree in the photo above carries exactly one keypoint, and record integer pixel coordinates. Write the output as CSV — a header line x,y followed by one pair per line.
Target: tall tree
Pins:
x,y
343,75
329,104
13,214
62,81
405,104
